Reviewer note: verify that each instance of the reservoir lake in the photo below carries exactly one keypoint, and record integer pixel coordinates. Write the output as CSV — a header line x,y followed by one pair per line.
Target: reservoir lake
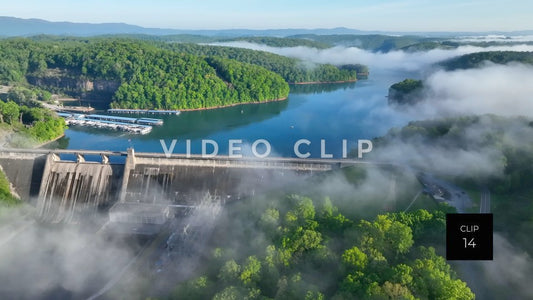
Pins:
x,y
329,112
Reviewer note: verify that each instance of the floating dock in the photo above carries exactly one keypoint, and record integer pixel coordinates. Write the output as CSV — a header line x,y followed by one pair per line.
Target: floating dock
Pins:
x,y
142,121
150,121
142,111
133,128
133,125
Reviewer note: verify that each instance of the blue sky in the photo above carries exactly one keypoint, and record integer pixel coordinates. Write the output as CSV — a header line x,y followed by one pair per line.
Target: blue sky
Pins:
x,y
394,15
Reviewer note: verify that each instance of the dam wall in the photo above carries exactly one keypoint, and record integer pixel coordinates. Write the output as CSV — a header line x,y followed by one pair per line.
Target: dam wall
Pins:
x,y
24,172
180,179
67,190
71,190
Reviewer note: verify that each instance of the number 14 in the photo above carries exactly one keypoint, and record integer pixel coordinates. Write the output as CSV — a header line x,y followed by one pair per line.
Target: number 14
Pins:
x,y
470,243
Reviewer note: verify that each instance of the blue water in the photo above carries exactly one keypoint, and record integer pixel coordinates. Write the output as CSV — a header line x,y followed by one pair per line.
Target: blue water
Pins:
x,y
333,113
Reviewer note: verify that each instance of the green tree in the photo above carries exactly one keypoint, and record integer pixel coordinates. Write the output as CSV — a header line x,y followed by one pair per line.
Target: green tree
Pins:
x,y
196,289
354,258
251,271
229,272
10,111
396,291
433,278
230,293
390,237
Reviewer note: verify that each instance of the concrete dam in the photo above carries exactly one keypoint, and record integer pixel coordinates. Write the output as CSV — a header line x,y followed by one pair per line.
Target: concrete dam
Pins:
x,y
145,187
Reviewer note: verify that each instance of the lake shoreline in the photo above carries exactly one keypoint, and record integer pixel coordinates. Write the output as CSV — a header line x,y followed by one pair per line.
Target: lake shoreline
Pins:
x,y
322,82
266,101
234,104
38,146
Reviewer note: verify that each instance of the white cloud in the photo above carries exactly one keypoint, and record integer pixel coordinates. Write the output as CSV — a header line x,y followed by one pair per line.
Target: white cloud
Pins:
x,y
393,60
496,89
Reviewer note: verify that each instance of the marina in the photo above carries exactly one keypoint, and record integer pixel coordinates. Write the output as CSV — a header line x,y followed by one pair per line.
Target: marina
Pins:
x,y
142,111
132,125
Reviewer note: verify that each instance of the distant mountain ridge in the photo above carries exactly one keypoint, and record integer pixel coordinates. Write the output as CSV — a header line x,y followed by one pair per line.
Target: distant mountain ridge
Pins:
x,y
12,26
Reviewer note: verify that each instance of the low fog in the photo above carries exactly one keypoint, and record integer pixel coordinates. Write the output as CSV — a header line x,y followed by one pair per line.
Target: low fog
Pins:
x,y
44,261
496,89
54,262
87,261
461,151
496,38
511,269
502,90
393,60
491,89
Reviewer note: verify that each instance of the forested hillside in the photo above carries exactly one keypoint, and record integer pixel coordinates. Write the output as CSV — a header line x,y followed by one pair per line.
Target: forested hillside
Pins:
x,y
303,248
508,139
475,60
279,42
291,69
146,76
405,92
159,75
372,42
23,126
409,91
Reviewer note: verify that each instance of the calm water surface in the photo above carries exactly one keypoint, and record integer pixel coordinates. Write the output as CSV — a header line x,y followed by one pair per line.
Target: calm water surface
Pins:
x,y
349,111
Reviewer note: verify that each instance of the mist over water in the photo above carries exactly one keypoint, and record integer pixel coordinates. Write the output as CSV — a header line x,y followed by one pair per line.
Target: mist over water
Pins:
x,y
59,262
399,60
355,111
329,112
336,112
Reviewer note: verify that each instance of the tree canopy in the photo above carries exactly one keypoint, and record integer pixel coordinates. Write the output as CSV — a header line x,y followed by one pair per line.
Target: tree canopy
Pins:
x,y
146,76
156,74
293,250
475,60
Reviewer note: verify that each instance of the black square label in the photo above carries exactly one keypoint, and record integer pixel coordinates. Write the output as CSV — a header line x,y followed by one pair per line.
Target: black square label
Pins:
x,y
469,236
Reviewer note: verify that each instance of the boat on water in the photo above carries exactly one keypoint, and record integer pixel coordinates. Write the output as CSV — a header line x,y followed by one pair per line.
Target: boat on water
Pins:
x,y
132,125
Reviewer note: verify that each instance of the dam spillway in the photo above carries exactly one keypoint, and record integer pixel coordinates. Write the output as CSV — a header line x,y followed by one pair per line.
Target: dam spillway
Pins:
x,y
70,190
182,179
24,171
67,190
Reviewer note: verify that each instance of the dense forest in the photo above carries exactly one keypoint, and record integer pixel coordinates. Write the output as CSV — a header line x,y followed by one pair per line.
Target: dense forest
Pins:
x,y
371,42
160,75
179,81
496,132
148,77
303,248
409,91
32,125
475,60
386,43
405,92
291,69
510,139
279,42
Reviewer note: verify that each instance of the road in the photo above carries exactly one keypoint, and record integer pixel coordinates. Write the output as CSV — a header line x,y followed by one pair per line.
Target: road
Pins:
x,y
452,195
77,109
484,204
472,271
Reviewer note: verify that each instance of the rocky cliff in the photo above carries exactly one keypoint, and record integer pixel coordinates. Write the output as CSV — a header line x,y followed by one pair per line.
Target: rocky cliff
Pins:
x,y
73,84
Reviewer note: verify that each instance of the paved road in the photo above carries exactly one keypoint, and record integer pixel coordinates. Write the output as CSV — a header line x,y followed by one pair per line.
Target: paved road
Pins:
x,y
484,204
454,195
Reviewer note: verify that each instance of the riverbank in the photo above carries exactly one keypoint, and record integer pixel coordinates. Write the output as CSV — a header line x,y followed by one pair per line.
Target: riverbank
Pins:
x,y
48,142
9,138
322,82
234,104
